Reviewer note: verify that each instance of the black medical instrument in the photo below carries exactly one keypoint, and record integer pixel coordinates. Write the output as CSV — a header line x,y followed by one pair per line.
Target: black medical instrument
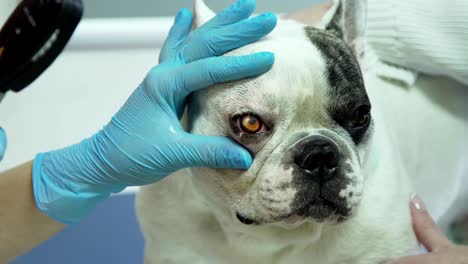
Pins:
x,y
33,37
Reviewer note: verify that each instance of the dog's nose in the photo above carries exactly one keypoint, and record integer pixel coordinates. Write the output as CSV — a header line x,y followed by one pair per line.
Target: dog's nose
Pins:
x,y
319,158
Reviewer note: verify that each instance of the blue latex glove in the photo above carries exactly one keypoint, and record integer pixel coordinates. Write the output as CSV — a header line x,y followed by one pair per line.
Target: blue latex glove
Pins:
x,y
3,143
144,142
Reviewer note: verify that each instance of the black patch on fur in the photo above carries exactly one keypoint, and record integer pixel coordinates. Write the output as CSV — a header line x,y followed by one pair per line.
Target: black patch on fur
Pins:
x,y
319,200
347,91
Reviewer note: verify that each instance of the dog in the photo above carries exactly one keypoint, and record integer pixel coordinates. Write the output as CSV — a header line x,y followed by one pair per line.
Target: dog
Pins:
x,y
336,157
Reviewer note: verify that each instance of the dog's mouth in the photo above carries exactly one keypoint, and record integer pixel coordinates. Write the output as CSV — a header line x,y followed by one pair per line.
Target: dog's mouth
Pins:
x,y
318,210
246,220
291,219
322,209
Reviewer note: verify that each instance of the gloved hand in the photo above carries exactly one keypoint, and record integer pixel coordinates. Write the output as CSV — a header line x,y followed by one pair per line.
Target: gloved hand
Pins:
x,y
144,141
3,143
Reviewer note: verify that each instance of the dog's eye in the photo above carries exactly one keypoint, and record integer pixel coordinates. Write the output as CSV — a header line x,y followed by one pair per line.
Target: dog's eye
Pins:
x,y
361,118
249,124
355,121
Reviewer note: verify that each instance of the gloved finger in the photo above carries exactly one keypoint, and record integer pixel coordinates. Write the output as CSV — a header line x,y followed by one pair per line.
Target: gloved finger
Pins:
x,y
215,152
425,228
230,37
204,73
177,34
238,11
3,143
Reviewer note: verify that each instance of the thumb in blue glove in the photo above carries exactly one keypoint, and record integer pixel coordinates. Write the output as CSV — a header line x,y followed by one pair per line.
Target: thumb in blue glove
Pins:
x,y
3,143
144,142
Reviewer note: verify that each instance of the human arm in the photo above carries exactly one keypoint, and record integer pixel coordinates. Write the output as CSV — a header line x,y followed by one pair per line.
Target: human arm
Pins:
x,y
426,38
22,224
144,142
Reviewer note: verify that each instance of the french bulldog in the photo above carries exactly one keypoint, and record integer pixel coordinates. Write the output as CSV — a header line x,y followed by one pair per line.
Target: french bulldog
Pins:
x,y
334,151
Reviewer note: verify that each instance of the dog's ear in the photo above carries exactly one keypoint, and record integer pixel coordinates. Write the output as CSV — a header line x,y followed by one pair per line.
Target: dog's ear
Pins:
x,y
201,13
347,19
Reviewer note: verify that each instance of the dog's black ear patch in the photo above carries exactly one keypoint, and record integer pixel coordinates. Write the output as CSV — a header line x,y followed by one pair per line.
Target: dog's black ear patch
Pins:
x,y
341,43
348,22
347,91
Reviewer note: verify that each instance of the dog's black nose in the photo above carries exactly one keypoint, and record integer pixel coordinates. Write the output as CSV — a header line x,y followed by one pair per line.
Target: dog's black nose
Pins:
x,y
318,157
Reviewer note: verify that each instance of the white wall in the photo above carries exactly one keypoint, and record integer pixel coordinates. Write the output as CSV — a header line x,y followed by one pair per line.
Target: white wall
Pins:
x,y
6,8
153,8
74,99
81,91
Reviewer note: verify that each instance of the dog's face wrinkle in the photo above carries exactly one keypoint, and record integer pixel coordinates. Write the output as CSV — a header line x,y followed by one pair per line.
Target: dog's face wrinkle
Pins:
x,y
347,91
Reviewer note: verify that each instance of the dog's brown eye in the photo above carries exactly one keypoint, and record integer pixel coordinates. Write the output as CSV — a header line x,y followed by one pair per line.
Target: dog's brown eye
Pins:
x,y
250,124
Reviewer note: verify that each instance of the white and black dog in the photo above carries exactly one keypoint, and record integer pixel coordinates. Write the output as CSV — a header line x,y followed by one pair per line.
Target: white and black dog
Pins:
x,y
330,182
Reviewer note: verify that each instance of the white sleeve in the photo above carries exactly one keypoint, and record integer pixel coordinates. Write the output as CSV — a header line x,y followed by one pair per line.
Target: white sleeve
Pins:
x,y
427,36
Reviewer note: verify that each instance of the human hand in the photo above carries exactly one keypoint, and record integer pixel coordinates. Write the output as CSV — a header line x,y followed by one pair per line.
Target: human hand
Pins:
x,y
145,142
441,250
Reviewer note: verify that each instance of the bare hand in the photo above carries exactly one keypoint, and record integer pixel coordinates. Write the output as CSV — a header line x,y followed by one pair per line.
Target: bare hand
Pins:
x,y
441,250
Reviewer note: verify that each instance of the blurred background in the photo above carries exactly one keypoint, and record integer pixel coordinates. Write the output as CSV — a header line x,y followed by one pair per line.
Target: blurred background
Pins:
x,y
148,8
113,48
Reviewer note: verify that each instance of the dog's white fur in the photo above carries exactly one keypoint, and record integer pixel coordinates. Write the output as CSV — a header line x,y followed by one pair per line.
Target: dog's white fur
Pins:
x,y
411,150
